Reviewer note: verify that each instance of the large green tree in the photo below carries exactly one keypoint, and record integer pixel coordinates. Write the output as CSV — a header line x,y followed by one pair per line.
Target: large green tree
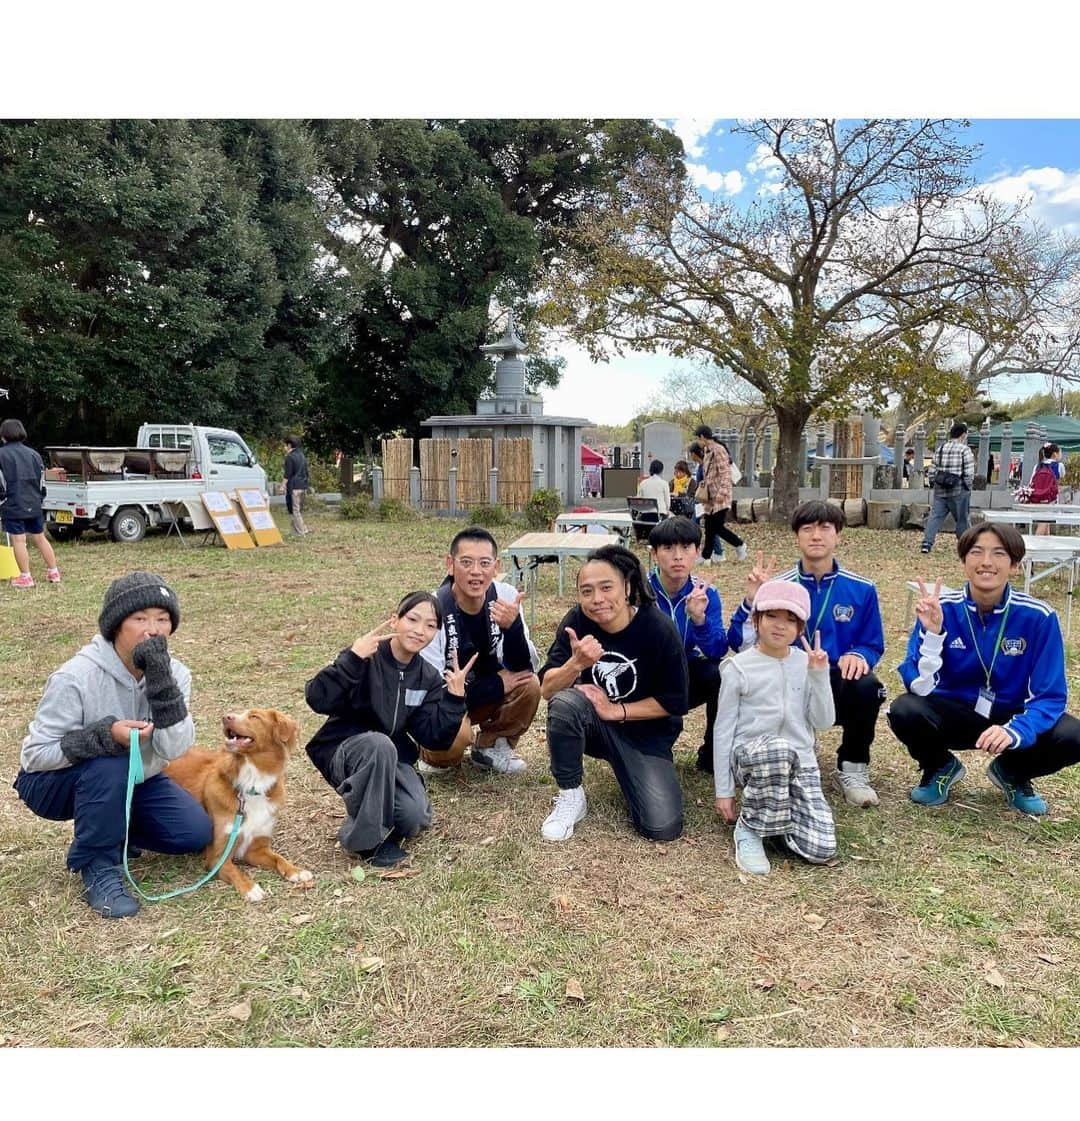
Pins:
x,y
437,223
161,270
874,231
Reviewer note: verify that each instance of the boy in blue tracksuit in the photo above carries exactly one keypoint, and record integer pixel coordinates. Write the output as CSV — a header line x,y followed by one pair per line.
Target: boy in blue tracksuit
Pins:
x,y
695,609
985,670
844,610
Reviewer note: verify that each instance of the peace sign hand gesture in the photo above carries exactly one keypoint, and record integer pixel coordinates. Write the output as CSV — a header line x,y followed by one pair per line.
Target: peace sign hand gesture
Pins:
x,y
758,575
697,602
818,659
928,607
367,644
584,652
455,678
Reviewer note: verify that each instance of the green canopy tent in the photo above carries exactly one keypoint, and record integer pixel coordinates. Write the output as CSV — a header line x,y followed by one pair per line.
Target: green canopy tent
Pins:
x,y
1061,430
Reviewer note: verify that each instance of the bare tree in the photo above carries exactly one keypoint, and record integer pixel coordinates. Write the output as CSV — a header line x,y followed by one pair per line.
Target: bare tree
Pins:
x,y
874,230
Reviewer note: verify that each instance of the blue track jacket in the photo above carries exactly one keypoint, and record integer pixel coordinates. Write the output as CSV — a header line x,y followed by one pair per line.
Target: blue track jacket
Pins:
x,y
850,621
706,641
1028,670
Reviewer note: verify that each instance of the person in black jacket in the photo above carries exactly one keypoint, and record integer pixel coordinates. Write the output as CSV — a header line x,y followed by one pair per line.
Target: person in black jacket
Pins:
x,y
22,487
381,699
616,685
297,483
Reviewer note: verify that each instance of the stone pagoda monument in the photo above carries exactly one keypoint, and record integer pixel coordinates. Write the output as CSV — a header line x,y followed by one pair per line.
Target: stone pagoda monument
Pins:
x,y
514,414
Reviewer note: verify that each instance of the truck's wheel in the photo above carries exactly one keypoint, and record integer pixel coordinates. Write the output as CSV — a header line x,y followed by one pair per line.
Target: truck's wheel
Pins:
x,y
128,524
63,532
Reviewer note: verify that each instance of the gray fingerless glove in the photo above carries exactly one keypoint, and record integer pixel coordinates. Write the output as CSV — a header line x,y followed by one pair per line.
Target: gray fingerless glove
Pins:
x,y
167,705
92,742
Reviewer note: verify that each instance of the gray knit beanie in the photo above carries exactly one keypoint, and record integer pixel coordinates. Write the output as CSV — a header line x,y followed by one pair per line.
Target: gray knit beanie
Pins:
x,y
136,592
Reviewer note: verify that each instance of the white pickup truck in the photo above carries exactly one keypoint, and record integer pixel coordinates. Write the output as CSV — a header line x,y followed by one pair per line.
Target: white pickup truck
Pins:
x,y
123,491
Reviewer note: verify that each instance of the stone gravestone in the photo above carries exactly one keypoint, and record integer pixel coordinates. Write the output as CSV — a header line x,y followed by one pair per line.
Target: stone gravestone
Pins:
x,y
663,441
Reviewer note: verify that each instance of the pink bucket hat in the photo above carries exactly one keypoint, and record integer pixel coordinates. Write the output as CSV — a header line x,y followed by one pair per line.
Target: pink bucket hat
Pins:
x,y
783,595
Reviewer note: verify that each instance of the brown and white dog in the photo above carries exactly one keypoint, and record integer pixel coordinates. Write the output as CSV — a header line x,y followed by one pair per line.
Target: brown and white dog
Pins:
x,y
250,775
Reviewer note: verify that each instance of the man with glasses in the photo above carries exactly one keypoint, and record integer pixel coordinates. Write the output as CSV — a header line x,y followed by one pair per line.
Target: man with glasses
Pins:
x,y
482,616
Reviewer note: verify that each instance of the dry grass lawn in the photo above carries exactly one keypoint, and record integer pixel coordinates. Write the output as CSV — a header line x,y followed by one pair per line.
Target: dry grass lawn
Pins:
x,y
955,926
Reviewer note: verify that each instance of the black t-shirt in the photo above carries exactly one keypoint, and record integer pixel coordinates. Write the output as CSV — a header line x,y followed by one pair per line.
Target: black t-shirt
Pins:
x,y
645,659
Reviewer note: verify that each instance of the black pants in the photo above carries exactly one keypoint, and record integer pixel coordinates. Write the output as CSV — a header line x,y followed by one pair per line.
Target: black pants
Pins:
x,y
929,726
857,704
713,525
648,782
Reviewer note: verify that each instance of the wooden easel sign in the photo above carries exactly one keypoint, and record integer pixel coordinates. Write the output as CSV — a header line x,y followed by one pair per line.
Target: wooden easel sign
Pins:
x,y
227,520
259,518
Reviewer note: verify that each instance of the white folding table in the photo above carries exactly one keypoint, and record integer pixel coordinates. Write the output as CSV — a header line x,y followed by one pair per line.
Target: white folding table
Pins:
x,y
530,551
1029,515
612,521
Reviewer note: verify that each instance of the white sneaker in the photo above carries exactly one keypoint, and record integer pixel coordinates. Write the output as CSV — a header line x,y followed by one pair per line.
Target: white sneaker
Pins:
x,y
570,808
853,781
740,552
750,852
499,757
426,768
717,558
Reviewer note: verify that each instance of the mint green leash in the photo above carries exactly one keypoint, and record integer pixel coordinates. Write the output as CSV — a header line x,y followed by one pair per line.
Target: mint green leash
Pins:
x,y
135,776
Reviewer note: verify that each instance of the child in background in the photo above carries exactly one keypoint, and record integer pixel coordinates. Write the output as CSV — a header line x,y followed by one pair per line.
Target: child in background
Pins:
x,y
773,698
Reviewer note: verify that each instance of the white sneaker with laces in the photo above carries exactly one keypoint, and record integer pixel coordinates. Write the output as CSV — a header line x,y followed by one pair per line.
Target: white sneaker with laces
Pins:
x,y
570,808
499,757
853,781
426,768
740,552
750,852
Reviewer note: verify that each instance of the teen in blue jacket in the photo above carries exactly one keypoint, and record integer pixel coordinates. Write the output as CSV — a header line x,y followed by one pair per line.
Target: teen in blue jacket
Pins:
x,y
844,610
695,609
985,669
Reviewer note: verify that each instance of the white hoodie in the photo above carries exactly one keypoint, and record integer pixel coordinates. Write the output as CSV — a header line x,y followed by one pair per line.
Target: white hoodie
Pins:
x,y
765,696
87,688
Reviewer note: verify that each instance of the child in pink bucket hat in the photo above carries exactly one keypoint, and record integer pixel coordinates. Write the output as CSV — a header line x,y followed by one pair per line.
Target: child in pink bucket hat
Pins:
x,y
774,697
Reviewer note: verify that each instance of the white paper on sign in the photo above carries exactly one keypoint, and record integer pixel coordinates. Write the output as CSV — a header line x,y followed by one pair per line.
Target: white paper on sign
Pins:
x,y
217,502
251,498
230,523
261,519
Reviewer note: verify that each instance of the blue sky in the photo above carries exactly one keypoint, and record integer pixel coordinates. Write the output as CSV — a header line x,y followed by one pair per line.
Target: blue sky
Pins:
x,y
1039,159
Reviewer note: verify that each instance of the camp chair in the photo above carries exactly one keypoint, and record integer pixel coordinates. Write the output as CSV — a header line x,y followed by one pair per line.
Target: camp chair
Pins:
x,y
645,513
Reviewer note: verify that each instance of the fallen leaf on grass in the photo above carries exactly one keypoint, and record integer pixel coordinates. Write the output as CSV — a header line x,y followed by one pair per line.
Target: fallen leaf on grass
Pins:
x,y
399,874
936,890
169,933
993,977
298,993
487,841
717,1015
805,984
563,903
370,965
814,922
241,1011
302,885
743,879
299,920
661,849
723,1033
358,874
1050,959
496,823
764,983
360,947
574,991
82,1024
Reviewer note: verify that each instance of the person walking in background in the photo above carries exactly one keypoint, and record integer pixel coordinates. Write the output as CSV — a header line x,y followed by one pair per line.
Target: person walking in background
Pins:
x,y
22,488
297,483
1044,482
655,487
954,473
714,493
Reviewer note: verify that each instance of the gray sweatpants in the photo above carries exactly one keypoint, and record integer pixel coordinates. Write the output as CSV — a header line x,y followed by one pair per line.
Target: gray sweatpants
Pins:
x,y
381,794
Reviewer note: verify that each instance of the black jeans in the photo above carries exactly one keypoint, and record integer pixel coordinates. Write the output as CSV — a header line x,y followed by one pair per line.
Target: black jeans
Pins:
x,y
857,705
713,525
929,726
648,782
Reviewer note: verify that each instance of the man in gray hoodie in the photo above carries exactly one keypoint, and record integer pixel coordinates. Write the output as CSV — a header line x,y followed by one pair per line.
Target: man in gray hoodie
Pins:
x,y
74,759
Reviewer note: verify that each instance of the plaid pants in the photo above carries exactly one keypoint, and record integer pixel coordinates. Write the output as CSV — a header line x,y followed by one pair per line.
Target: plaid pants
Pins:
x,y
782,797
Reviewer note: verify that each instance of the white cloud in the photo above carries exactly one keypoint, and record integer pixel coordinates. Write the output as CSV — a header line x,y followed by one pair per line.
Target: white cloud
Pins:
x,y
729,182
763,162
1052,195
691,131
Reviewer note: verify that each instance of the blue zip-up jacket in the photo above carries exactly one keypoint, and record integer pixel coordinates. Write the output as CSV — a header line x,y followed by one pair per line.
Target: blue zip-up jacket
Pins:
x,y
706,641
851,623
1028,675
